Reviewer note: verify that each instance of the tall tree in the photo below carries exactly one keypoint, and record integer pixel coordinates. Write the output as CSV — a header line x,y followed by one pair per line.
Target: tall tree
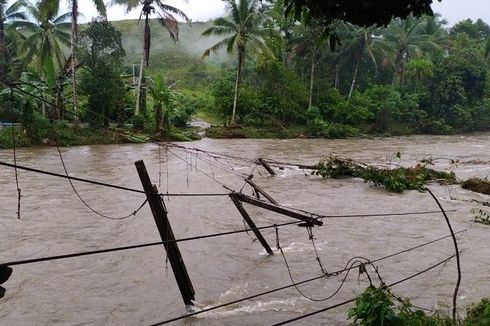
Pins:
x,y
166,17
245,31
308,41
48,32
408,38
8,15
361,42
53,5
101,52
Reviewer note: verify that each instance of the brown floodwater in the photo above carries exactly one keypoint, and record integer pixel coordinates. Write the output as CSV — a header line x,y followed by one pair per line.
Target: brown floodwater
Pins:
x,y
135,288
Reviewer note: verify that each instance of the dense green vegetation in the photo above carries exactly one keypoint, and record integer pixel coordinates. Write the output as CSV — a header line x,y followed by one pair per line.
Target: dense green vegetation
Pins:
x,y
286,75
379,306
392,179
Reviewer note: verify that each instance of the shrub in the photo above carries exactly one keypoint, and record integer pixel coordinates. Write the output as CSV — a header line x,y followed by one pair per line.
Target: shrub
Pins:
x,y
478,315
320,128
6,140
376,307
139,122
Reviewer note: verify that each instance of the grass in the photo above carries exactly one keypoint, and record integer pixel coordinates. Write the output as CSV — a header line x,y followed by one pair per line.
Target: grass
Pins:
x,y
220,132
67,135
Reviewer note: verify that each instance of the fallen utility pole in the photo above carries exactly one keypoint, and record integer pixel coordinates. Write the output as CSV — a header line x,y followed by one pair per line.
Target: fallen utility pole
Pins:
x,y
274,208
251,224
159,212
259,190
266,166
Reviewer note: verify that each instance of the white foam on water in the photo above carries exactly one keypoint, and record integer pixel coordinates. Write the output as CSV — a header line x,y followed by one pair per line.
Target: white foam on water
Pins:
x,y
298,247
276,305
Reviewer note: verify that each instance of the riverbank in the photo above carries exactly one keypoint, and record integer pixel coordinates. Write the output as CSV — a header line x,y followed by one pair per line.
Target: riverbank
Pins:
x,y
69,135
65,135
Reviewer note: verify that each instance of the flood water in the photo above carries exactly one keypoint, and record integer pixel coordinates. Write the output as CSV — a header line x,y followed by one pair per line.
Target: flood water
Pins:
x,y
135,288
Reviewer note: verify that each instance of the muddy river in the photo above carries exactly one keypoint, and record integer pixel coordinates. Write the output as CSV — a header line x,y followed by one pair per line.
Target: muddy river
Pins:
x,y
135,287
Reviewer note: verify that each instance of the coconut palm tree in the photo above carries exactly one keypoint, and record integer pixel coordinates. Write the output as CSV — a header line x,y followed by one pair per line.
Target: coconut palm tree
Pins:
x,y
48,31
53,6
8,15
308,41
245,31
166,17
408,38
362,42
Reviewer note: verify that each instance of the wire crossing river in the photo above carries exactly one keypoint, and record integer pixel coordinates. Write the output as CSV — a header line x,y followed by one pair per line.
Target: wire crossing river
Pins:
x,y
137,286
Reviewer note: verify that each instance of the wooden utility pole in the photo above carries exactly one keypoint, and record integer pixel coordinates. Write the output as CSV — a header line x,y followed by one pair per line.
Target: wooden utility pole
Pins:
x,y
159,212
5,272
251,223
260,190
275,208
266,166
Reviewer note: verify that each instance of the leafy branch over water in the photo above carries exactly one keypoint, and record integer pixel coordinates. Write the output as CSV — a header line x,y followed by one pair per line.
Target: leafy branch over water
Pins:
x,y
477,185
378,306
392,179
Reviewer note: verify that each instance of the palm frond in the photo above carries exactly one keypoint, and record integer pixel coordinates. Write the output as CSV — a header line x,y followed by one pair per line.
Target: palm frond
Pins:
x,y
100,6
227,42
16,16
217,30
129,4
171,25
63,18
170,9
15,7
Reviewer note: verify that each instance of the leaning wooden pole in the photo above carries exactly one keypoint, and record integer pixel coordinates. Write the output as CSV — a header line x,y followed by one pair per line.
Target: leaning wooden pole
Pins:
x,y
251,224
266,166
276,208
159,212
259,190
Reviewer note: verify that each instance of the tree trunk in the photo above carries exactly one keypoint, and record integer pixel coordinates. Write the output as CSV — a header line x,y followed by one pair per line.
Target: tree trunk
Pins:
x,y
3,48
356,69
337,76
402,75
394,76
146,60
237,87
74,36
147,40
312,77
158,119
140,83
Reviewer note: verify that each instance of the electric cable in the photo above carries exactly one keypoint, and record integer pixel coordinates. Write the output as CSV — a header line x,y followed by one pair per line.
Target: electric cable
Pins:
x,y
354,299
298,283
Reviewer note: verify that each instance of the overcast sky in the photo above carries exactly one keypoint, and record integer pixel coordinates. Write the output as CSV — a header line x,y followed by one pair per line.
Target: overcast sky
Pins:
x,y
196,10
202,10
199,10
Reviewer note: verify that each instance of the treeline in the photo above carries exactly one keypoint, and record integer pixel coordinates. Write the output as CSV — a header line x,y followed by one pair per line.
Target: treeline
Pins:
x,y
58,76
415,75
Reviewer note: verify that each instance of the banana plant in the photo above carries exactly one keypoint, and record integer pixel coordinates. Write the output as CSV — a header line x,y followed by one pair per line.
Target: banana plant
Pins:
x,y
163,101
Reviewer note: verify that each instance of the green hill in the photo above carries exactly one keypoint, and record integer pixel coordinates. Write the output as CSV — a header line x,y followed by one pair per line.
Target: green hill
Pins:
x,y
174,59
